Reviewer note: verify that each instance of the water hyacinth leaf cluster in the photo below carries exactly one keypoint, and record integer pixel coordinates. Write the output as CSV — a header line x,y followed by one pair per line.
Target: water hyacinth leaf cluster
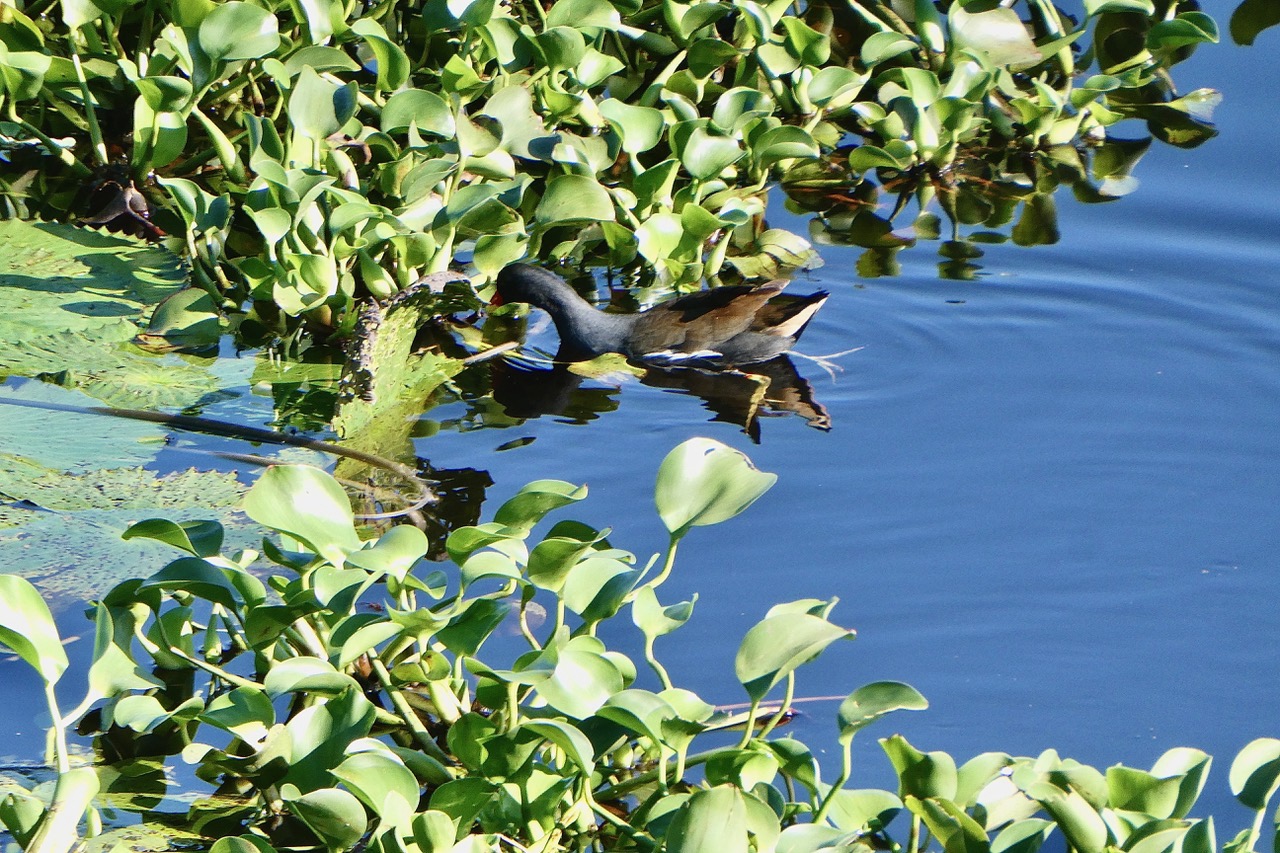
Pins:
x,y
308,156
353,703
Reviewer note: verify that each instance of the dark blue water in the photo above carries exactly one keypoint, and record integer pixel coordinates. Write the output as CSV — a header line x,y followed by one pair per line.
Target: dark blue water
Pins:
x,y
1050,497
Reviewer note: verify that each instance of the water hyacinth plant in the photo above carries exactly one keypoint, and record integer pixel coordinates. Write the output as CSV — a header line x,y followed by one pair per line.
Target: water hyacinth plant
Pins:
x,y
359,700
310,155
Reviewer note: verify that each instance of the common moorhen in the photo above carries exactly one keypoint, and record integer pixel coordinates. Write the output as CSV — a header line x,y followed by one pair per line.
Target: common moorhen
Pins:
x,y
737,324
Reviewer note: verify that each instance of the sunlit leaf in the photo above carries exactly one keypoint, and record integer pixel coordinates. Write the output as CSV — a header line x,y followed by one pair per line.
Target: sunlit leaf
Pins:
x,y
27,628
238,30
307,504
704,482
774,648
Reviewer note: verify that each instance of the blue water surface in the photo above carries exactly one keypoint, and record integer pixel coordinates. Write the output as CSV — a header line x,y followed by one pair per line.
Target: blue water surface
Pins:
x,y
1049,497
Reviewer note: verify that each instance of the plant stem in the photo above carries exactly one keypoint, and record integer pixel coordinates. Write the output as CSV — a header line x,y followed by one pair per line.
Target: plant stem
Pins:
x,y
95,132
61,756
846,766
750,725
783,708
420,733
653,663
667,564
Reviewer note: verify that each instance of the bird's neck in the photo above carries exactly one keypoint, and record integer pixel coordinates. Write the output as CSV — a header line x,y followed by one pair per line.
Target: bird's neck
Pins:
x,y
584,330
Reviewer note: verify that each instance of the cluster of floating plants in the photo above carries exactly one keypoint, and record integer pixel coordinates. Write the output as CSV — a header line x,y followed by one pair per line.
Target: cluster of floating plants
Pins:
x,y
309,156
356,700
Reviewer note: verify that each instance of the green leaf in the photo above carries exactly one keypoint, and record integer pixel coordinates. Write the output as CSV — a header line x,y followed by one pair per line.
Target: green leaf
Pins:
x,y
238,30
872,701
597,14
394,553
1186,30
1251,17
1255,773
197,538
863,810
306,675
883,46
319,108
186,320
998,34
425,110
198,577
705,156
640,128
393,63
531,504
774,648
383,783
653,619
1083,827
712,821
1093,8
165,94
27,628
336,817
921,775
307,504
704,482
574,198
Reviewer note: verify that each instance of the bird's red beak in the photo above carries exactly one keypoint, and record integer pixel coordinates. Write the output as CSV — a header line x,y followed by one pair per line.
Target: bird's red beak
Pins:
x,y
496,301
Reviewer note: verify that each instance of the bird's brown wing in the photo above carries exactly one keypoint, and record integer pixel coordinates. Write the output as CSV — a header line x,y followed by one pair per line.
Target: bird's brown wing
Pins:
x,y
701,321
787,315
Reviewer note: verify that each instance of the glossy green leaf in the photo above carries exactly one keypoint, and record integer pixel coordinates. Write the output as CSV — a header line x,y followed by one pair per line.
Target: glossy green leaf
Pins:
x,y
531,504
574,198
319,108
921,775
640,128
199,578
307,504
426,111
383,783
1186,30
883,46
239,30
241,844
393,65
336,817
1083,827
1097,7
394,553
872,701
712,821
198,538
653,619
164,93
1255,773
704,482
306,675
27,628
863,810
1191,767
999,34
774,648
705,156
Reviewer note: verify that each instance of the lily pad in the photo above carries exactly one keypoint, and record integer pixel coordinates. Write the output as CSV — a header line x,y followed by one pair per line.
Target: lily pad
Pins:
x,y
71,302
65,537
41,431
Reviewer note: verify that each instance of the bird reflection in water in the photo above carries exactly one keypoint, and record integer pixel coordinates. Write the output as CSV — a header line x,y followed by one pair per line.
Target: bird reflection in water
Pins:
x,y
742,396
